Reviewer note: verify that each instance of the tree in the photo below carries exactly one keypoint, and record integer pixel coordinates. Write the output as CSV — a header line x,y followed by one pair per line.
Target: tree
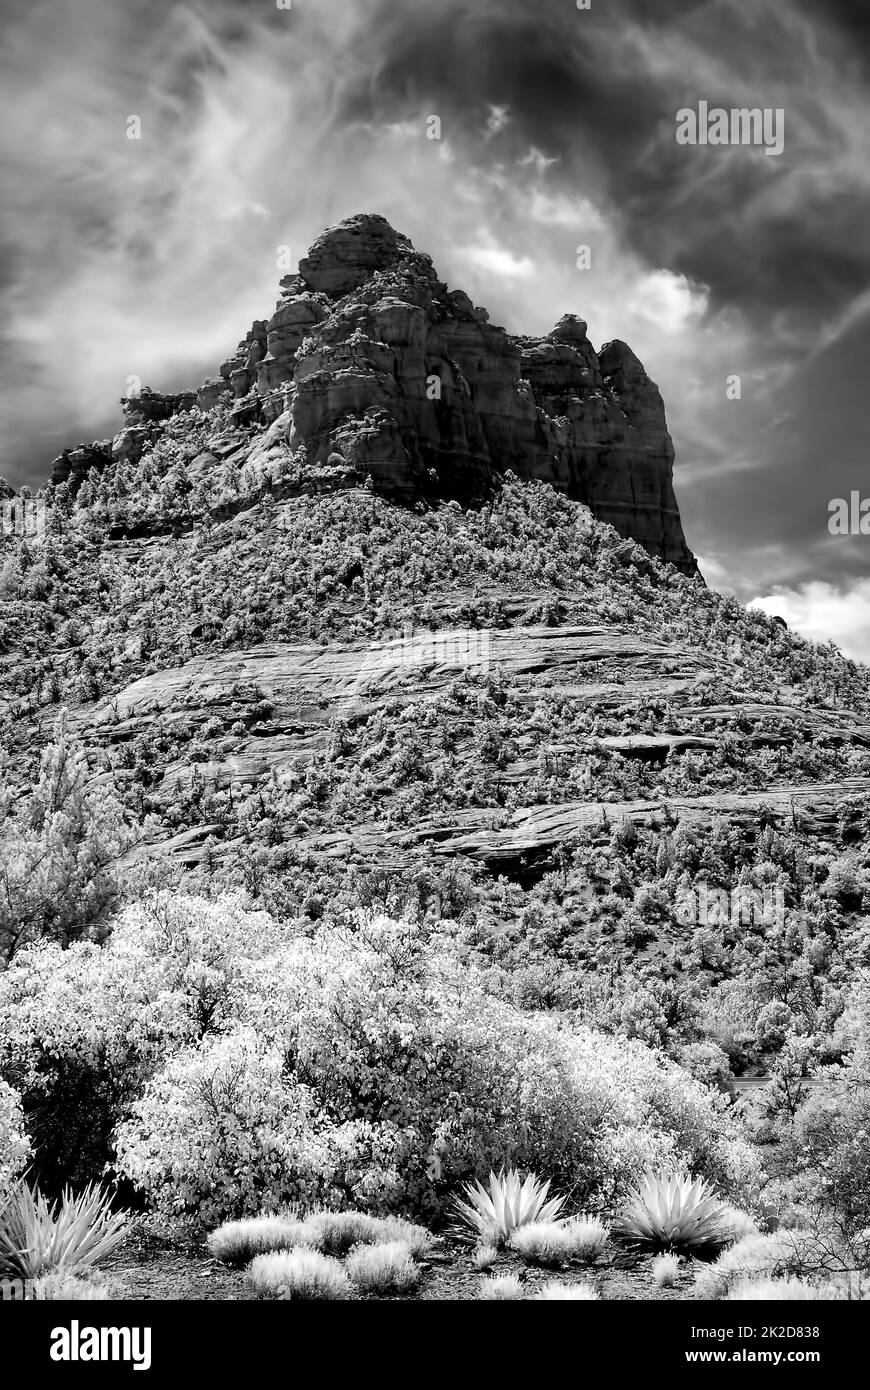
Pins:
x,y
57,852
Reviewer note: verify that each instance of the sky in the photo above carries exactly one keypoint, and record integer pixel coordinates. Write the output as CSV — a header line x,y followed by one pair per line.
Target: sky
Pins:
x,y
263,122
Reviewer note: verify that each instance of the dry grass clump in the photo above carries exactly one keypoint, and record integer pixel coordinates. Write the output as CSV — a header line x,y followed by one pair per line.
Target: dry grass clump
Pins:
x,y
737,1224
37,1236
587,1236
389,1228
501,1286
665,1270
238,1242
555,1243
484,1257
387,1268
768,1290
555,1289
336,1232
298,1274
755,1257
541,1243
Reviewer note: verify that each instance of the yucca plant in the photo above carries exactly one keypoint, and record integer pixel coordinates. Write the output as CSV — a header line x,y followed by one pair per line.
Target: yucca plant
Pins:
x,y
74,1232
673,1211
489,1215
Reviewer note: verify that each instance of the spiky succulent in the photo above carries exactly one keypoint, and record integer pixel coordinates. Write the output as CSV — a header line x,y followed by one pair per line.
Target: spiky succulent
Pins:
x,y
74,1232
673,1211
490,1214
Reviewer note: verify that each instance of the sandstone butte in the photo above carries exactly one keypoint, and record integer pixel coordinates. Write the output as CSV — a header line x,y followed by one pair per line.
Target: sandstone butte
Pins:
x,y
372,363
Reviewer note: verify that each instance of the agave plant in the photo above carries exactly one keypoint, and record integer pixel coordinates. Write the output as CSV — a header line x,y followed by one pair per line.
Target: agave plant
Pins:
x,y
74,1232
673,1211
489,1215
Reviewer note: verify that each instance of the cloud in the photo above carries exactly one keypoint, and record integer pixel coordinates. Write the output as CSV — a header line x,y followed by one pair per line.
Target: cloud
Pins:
x,y
825,613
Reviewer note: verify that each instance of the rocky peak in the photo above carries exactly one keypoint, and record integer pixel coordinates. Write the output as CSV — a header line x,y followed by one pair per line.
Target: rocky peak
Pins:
x,y
344,257
373,364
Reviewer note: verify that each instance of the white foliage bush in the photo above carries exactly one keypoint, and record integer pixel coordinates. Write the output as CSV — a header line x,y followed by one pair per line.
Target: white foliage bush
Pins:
x,y
389,1074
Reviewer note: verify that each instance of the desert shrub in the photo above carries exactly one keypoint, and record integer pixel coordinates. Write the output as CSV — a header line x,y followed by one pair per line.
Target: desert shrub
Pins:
x,y
543,1243
224,1130
554,1289
390,1074
73,1233
673,1211
335,1232
555,1243
773,1256
237,1242
502,1286
14,1143
484,1256
766,1290
665,1270
736,1224
830,1146
302,1274
418,1240
82,1030
387,1268
587,1237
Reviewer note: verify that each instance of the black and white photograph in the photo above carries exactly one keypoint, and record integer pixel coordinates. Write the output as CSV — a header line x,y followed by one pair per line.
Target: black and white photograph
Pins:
x,y
434,675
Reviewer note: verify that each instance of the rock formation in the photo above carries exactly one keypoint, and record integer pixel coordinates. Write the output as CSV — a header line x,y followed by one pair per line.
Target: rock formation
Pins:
x,y
376,365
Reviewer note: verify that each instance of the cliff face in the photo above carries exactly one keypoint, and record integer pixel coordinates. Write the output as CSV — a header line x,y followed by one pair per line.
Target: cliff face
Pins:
x,y
371,362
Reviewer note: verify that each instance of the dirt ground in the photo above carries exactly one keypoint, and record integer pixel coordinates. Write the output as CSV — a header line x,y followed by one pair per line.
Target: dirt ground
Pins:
x,y
149,1267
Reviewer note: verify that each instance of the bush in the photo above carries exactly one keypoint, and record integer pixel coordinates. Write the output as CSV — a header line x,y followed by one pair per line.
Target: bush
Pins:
x,y
587,1237
665,1270
237,1242
502,1286
542,1243
766,1290
388,1268
485,1256
14,1143
336,1232
367,1067
774,1256
82,1030
224,1131
302,1274
556,1290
